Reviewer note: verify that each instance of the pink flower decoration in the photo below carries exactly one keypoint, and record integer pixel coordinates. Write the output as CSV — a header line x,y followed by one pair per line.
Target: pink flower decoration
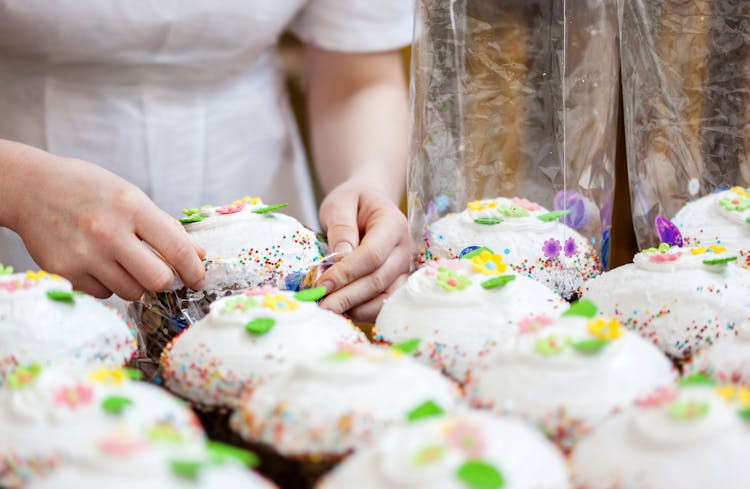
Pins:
x,y
433,267
468,438
261,290
526,204
533,324
121,445
231,208
17,284
660,397
665,257
74,397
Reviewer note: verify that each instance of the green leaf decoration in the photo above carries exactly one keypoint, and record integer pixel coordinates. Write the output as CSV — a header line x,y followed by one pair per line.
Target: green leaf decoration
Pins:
x,y
409,346
221,453
664,247
498,282
192,219
260,326
61,296
116,405
553,216
745,413
697,379
23,376
583,308
747,220
488,221
270,208
477,252
590,347
427,409
133,374
720,261
311,295
187,469
341,356
478,474
5,270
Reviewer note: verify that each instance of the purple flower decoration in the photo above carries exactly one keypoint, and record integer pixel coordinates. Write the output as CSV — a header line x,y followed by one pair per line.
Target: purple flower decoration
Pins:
x,y
570,247
551,248
668,232
575,203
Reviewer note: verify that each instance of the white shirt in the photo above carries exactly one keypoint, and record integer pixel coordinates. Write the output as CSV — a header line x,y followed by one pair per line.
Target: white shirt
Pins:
x,y
183,98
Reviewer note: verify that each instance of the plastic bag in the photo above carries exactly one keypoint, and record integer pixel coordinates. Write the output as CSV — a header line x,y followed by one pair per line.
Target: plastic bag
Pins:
x,y
516,99
686,86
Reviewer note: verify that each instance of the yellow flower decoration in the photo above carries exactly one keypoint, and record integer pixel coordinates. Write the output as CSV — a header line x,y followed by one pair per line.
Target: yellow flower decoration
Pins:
x,y
605,330
37,276
247,199
489,263
481,205
733,393
278,302
717,248
698,250
109,376
741,191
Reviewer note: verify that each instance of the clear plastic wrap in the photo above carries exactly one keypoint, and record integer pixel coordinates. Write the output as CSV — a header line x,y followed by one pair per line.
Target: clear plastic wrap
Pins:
x,y
686,80
516,99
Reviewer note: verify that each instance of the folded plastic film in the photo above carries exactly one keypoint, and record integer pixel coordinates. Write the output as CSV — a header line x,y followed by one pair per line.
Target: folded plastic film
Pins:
x,y
686,86
514,99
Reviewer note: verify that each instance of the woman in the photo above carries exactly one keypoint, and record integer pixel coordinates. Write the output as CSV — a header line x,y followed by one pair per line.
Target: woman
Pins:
x,y
115,114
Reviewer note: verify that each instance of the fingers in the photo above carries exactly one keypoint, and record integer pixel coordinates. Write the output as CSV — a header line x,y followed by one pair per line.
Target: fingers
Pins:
x,y
339,220
385,230
370,286
91,286
171,241
143,265
115,278
368,312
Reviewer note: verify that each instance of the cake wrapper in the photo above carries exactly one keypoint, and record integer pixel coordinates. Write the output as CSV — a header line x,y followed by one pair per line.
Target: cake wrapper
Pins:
x,y
511,99
686,89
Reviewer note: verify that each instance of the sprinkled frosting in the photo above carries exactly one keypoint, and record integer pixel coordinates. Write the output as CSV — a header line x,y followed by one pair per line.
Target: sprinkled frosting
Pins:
x,y
326,407
247,243
248,338
568,374
728,360
458,307
691,437
720,217
56,416
529,237
681,299
466,450
42,320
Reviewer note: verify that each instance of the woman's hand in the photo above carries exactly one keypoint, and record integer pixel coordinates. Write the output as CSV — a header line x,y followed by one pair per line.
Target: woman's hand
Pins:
x,y
374,233
94,228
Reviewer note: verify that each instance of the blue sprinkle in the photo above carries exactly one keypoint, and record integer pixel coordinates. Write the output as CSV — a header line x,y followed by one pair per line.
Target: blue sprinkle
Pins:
x,y
507,251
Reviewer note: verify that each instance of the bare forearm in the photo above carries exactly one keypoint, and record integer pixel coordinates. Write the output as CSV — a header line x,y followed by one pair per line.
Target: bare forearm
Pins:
x,y
359,122
18,164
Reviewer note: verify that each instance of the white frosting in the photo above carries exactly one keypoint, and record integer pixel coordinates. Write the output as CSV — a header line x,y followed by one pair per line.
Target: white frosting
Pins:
x,y
217,360
682,305
652,448
245,249
37,329
455,326
522,377
728,360
328,406
520,240
396,460
60,416
706,221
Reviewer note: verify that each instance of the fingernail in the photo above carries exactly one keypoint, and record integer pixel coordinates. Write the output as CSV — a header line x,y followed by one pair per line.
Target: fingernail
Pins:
x,y
343,248
328,285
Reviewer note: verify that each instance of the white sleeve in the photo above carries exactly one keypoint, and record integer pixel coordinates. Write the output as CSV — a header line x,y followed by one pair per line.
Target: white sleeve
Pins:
x,y
356,25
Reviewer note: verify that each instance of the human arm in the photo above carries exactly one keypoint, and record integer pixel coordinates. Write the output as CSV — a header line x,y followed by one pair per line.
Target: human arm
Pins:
x,y
91,226
358,110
